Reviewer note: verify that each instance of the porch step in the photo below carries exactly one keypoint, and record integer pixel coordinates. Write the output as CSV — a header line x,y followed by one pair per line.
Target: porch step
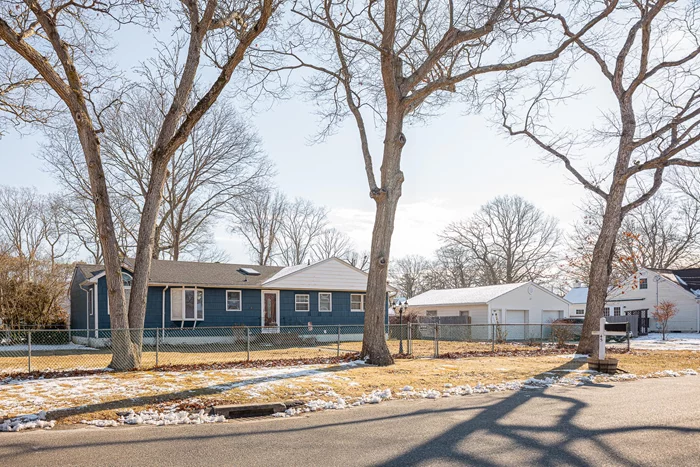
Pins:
x,y
252,410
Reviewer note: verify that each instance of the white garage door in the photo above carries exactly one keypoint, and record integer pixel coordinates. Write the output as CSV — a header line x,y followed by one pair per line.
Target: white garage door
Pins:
x,y
549,316
516,329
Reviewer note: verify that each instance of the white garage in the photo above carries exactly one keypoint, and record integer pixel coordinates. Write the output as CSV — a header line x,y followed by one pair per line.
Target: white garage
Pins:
x,y
524,303
549,316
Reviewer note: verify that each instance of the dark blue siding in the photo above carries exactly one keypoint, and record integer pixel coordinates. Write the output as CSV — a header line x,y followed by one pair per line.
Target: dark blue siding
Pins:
x,y
215,313
78,302
341,313
102,303
154,308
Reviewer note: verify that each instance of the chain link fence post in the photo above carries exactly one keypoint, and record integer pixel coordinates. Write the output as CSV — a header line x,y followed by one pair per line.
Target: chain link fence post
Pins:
x,y
157,345
29,351
628,335
338,349
541,336
437,345
409,342
247,343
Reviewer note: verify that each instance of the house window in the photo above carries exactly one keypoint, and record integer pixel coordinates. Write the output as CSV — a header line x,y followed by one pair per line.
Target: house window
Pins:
x,y
643,283
606,311
301,302
324,301
187,305
464,313
616,311
233,300
431,313
357,302
580,311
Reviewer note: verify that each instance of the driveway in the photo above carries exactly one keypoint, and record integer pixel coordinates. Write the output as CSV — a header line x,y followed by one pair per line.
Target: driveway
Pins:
x,y
648,422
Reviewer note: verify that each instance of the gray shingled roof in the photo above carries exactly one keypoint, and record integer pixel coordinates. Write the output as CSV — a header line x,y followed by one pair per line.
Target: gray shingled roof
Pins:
x,y
90,270
195,273
208,274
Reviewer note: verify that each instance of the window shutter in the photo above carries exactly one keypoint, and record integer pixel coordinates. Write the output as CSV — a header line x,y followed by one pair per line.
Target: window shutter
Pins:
x,y
176,305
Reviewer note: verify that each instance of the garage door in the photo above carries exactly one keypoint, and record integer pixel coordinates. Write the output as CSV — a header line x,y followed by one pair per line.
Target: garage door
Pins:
x,y
549,316
516,329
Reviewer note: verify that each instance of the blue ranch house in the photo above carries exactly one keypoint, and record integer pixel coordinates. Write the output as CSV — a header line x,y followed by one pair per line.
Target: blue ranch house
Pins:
x,y
184,294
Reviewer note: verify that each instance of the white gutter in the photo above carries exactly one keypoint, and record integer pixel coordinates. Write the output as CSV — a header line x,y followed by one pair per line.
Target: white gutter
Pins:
x,y
97,315
87,306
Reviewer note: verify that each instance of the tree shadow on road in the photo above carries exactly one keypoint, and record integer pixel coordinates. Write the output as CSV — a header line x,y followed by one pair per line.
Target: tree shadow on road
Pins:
x,y
490,437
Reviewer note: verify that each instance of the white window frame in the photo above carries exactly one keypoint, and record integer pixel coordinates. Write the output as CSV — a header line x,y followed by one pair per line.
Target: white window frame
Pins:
x,y
330,302
617,311
606,311
240,300
362,303
297,302
183,291
646,283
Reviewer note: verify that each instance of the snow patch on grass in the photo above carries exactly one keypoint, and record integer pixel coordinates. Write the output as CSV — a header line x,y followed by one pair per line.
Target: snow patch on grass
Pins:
x,y
154,417
27,422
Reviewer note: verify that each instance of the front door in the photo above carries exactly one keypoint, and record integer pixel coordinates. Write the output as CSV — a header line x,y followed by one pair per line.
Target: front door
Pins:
x,y
270,309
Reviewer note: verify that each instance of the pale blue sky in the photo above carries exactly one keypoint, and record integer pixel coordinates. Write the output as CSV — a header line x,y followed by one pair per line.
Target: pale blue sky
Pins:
x,y
452,164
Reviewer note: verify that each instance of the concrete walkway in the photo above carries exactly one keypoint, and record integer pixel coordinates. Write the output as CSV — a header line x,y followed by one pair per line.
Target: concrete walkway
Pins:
x,y
650,422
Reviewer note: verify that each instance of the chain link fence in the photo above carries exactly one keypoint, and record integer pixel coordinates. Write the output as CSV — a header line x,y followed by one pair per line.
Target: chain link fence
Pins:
x,y
63,350
434,340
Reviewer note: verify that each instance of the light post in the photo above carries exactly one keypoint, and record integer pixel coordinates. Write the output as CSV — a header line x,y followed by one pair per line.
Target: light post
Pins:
x,y
400,307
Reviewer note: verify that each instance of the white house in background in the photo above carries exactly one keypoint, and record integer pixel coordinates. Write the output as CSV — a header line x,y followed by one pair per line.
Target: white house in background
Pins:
x,y
521,303
644,290
577,301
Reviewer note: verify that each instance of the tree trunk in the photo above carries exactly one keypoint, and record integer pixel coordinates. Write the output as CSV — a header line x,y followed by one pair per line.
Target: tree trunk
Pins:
x,y
374,346
601,267
123,355
144,255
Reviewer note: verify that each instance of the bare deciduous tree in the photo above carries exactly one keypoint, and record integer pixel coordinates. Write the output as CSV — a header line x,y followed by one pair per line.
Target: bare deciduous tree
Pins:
x,y
57,40
303,223
663,233
650,67
21,225
332,243
509,240
454,268
23,96
394,60
258,218
410,275
219,162
358,259
56,231
32,292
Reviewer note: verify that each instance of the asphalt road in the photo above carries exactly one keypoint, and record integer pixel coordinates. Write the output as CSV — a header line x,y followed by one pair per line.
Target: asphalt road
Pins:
x,y
651,422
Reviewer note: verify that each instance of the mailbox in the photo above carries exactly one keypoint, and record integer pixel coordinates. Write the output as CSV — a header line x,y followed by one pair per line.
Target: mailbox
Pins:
x,y
616,327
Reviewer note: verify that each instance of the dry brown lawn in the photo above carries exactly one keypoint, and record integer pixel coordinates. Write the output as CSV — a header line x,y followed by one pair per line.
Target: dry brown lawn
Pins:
x,y
101,395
